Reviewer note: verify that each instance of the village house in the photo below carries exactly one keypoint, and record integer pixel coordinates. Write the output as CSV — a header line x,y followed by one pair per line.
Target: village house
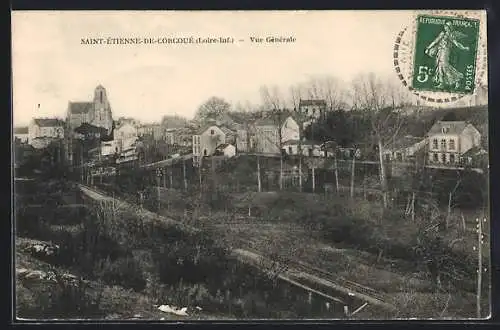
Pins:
x,y
312,110
154,130
178,136
266,137
242,140
404,149
42,131
125,135
449,140
309,148
225,149
208,139
21,134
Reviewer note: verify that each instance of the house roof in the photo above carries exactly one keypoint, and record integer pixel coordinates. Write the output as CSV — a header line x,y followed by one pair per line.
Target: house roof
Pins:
x,y
21,130
122,124
269,118
80,107
223,146
48,122
312,103
474,152
225,130
455,127
404,142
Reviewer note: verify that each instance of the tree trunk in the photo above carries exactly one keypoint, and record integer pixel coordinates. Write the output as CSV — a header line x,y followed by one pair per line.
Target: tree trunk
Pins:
x,y
300,171
383,176
413,207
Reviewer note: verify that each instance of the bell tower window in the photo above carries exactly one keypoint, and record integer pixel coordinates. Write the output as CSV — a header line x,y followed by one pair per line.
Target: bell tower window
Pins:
x,y
100,96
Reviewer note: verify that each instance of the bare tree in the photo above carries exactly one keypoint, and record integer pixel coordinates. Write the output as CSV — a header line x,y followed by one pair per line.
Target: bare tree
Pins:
x,y
297,92
328,88
379,101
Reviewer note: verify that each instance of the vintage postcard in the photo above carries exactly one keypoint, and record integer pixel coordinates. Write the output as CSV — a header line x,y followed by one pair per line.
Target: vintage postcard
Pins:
x,y
260,165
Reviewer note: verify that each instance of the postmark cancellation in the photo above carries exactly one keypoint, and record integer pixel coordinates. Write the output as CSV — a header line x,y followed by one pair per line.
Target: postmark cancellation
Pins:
x,y
441,55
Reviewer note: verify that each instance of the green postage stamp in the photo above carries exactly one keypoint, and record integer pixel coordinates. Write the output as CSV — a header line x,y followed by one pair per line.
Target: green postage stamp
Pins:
x,y
445,54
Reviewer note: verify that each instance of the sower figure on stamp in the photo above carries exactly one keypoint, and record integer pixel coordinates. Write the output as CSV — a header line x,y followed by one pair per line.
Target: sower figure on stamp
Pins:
x,y
440,48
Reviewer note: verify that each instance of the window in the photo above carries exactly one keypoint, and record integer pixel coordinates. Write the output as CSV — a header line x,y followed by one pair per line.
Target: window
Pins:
x,y
212,132
204,152
452,158
310,152
100,96
451,144
435,157
443,144
445,130
443,158
399,156
434,144
290,150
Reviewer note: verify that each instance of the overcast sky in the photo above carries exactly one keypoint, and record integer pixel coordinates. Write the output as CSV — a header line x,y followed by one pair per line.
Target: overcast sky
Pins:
x,y
52,67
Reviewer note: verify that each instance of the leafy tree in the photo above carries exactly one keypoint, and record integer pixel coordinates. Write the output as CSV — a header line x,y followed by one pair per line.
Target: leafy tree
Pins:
x,y
215,108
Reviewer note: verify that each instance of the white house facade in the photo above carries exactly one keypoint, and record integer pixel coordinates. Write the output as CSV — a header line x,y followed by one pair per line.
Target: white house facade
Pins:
x,y
46,128
207,140
312,110
267,137
449,140
125,136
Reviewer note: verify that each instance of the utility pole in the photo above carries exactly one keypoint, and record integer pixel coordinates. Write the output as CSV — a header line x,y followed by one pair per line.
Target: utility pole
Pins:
x,y
159,174
352,172
480,241
184,173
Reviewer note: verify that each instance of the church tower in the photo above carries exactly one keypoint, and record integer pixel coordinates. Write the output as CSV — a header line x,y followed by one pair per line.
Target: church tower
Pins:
x,y
102,109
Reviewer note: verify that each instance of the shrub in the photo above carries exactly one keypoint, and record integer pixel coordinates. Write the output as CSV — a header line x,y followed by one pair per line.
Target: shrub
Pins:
x,y
57,301
122,271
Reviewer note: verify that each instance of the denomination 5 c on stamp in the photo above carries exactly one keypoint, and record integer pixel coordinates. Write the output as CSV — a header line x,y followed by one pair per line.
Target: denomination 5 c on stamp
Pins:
x,y
445,54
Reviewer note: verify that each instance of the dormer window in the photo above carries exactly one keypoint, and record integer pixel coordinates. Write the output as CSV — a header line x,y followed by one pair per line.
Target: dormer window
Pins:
x,y
445,130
